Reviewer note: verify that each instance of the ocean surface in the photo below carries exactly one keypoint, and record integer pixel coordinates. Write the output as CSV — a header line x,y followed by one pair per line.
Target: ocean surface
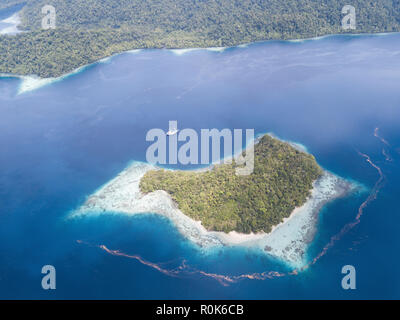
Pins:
x,y
7,13
338,95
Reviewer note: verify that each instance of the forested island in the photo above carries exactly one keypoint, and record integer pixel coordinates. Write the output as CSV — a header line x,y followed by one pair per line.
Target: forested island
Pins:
x,y
223,201
89,30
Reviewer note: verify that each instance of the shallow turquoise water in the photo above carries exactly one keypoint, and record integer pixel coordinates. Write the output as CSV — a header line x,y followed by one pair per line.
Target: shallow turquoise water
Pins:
x,y
63,141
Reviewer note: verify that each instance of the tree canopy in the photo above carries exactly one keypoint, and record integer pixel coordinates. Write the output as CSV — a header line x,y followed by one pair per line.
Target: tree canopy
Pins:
x,y
223,201
88,30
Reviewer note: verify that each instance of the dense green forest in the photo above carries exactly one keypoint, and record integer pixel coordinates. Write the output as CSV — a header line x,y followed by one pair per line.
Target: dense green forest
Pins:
x,y
88,30
223,201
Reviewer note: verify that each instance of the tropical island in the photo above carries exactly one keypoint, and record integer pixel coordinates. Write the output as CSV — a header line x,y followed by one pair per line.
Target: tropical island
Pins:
x,y
282,180
90,30
274,209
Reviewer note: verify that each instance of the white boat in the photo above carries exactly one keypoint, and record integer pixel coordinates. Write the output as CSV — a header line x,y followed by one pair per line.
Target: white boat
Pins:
x,y
172,132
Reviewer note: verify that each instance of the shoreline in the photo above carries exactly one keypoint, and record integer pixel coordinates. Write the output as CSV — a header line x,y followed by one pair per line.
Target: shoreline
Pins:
x,y
289,240
13,21
34,82
286,241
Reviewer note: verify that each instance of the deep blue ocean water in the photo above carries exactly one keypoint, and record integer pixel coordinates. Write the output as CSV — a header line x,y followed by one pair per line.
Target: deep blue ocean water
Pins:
x,y
8,12
61,142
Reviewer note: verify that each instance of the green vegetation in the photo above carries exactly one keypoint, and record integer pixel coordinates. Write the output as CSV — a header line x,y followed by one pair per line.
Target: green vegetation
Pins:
x,y
88,30
223,201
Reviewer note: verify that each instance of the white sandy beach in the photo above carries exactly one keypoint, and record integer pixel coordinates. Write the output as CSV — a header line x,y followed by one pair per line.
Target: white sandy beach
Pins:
x,y
180,52
287,241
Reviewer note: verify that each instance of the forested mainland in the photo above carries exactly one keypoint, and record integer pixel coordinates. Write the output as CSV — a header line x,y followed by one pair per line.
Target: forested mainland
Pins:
x,y
89,30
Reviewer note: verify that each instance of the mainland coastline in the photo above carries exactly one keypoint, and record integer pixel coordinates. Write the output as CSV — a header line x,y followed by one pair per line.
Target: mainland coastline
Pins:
x,y
83,36
33,82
